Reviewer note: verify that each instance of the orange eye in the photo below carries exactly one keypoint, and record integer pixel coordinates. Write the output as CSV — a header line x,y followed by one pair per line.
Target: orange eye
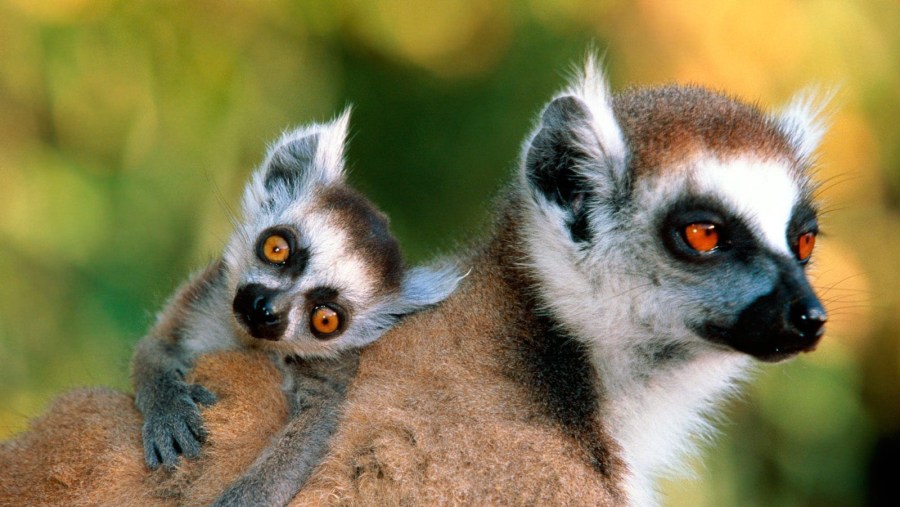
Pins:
x,y
805,244
702,237
324,321
276,249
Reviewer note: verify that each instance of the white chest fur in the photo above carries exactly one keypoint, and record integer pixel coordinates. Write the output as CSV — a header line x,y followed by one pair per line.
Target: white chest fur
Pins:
x,y
658,419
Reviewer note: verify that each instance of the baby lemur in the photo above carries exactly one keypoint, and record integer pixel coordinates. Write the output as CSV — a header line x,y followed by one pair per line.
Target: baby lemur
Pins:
x,y
311,274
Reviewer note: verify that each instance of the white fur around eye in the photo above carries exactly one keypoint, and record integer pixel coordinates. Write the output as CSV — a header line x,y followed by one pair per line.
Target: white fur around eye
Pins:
x,y
762,192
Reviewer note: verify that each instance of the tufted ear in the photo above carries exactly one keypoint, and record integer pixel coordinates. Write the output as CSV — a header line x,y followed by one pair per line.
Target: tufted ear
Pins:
x,y
425,286
429,285
804,121
301,158
578,151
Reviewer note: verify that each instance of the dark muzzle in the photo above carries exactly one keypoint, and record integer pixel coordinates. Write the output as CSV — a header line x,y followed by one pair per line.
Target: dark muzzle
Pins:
x,y
788,320
253,306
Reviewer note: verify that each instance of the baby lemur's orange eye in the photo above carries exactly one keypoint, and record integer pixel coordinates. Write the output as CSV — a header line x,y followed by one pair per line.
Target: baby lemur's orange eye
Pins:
x,y
276,249
324,321
702,237
805,244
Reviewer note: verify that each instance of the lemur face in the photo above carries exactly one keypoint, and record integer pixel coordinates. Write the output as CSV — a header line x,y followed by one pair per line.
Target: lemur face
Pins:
x,y
733,239
685,215
314,267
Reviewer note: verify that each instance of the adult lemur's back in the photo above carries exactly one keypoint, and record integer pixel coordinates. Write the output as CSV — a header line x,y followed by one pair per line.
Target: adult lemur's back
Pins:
x,y
654,242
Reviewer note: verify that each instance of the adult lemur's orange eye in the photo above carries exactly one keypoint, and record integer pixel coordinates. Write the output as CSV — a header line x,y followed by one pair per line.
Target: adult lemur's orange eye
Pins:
x,y
702,237
276,249
805,244
324,321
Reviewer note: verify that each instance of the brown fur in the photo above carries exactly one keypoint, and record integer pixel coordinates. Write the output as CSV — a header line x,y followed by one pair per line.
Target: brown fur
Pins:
x,y
369,233
448,408
664,126
437,415
86,450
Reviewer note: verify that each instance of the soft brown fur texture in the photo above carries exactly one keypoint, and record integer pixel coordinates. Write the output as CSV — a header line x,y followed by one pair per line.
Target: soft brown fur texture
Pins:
x,y
448,408
443,412
667,125
86,450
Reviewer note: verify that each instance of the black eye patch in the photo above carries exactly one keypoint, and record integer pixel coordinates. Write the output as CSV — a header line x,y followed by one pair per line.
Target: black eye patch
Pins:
x,y
803,223
735,240
322,295
298,259
804,218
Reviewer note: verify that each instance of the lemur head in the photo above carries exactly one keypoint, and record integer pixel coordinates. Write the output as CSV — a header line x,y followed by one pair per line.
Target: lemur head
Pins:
x,y
314,268
675,218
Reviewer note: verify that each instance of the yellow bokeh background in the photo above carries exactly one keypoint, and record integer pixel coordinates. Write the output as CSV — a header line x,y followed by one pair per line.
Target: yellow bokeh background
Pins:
x,y
127,130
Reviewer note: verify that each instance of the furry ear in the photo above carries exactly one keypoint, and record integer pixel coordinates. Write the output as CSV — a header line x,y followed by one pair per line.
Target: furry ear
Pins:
x,y
578,151
425,286
557,152
302,157
421,288
804,121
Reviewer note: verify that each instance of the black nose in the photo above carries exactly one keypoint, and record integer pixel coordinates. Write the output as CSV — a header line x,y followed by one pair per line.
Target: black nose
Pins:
x,y
780,324
808,317
254,309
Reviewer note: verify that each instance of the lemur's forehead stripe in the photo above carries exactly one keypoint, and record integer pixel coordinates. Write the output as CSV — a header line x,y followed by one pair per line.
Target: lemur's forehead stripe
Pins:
x,y
367,231
665,126
762,192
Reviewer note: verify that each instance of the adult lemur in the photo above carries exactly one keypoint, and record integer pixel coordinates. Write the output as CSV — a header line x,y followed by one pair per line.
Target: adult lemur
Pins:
x,y
312,274
653,243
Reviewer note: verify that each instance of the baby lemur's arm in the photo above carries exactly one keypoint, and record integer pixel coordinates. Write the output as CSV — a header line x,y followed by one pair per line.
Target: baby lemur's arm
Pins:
x,y
316,389
172,422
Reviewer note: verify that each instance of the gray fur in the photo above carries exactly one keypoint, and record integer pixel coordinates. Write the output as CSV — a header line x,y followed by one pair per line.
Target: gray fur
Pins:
x,y
427,286
172,421
286,167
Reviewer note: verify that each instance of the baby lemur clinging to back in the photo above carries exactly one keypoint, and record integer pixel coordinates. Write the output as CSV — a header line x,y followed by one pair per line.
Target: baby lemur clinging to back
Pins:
x,y
312,274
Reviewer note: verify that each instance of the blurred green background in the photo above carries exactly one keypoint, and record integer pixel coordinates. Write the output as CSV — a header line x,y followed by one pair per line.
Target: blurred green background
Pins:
x,y
127,129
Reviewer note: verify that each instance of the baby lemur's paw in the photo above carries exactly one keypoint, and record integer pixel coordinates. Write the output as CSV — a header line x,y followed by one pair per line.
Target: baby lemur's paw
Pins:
x,y
174,426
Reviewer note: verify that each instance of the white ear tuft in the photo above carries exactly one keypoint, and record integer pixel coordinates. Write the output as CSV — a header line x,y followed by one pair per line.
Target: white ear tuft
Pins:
x,y
805,121
330,150
591,87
